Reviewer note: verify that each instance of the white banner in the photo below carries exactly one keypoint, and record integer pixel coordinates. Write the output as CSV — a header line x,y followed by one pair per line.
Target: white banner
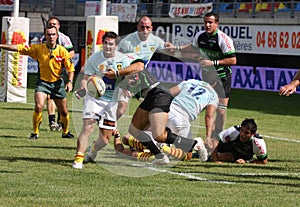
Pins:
x,y
125,12
96,26
192,10
94,8
260,39
15,30
7,5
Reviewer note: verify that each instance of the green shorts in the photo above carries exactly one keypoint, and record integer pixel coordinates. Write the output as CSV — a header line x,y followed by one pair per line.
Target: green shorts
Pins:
x,y
56,90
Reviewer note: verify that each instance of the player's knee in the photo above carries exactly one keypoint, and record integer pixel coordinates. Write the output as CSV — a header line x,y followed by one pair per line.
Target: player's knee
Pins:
x,y
222,109
38,108
162,137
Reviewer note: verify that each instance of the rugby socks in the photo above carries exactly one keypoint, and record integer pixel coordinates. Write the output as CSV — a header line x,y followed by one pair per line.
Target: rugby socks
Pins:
x,y
183,143
146,140
51,118
145,157
134,143
36,121
65,123
177,153
79,157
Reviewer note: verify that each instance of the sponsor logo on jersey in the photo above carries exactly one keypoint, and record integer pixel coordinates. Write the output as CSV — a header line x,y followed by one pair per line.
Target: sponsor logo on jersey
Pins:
x,y
101,67
119,66
137,49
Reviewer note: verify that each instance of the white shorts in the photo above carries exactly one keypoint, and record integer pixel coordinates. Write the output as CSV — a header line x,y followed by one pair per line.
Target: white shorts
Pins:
x,y
103,111
179,122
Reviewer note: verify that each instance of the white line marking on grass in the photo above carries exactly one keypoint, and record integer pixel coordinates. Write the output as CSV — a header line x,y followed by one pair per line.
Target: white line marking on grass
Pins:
x,y
263,174
285,139
260,174
187,175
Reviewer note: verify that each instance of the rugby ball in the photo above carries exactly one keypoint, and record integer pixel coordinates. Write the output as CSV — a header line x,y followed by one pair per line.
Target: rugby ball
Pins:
x,y
95,86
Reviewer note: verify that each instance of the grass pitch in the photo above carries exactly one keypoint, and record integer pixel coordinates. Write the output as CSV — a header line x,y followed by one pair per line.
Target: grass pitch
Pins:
x,y
39,173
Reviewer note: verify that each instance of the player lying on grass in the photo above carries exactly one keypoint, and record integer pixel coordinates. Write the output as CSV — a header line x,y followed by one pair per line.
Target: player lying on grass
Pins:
x,y
239,143
138,151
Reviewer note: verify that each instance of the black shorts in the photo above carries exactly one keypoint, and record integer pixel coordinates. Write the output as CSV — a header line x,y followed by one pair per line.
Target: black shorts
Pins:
x,y
221,85
157,100
239,153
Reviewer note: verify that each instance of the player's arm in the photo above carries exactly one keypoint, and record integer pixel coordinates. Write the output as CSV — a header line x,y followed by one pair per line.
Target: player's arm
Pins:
x,y
175,90
227,61
265,161
184,48
290,88
69,84
9,47
209,124
135,67
81,92
72,53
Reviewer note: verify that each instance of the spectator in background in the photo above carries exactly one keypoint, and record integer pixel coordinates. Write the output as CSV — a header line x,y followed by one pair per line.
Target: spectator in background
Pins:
x,y
239,143
51,59
291,88
65,41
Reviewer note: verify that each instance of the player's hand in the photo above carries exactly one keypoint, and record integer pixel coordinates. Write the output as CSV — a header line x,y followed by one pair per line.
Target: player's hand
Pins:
x,y
205,62
209,144
240,161
127,93
80,93
69,87
287,90
110,73
169,46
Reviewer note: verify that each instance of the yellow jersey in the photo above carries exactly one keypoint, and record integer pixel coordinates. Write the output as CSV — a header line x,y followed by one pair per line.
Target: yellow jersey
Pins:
x,y
50,61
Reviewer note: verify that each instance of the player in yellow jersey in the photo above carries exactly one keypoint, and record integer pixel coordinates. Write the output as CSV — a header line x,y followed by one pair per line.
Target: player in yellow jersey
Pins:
x,y
51,58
